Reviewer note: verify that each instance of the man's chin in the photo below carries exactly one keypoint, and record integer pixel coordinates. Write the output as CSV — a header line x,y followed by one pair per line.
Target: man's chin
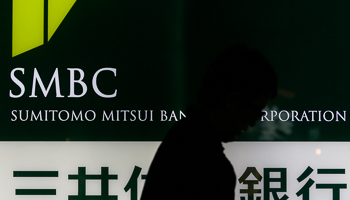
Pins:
x,y
230,137
227,141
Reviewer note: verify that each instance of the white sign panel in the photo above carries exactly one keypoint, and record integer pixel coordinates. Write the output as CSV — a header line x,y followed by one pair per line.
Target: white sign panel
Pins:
x,y
117,170
291,170
74,170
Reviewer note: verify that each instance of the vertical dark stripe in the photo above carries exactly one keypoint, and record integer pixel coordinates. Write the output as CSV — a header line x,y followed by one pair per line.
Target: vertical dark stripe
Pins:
x,y
46,19
104,182
81,182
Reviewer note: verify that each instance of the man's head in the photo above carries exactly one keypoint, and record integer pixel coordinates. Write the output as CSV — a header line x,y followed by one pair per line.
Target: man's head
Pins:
x,y
235,89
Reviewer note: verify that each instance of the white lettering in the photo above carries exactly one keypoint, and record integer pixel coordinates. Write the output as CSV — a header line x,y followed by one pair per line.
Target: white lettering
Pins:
x,y
18,82
94,83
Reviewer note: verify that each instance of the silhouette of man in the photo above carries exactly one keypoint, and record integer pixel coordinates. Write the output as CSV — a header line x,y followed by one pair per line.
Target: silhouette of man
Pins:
x,y
190,162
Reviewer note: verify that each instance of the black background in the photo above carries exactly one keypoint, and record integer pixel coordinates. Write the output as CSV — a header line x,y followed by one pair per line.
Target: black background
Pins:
x,y
161,49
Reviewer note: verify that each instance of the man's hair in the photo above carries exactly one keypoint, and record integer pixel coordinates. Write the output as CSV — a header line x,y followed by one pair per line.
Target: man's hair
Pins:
x,y
237,70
